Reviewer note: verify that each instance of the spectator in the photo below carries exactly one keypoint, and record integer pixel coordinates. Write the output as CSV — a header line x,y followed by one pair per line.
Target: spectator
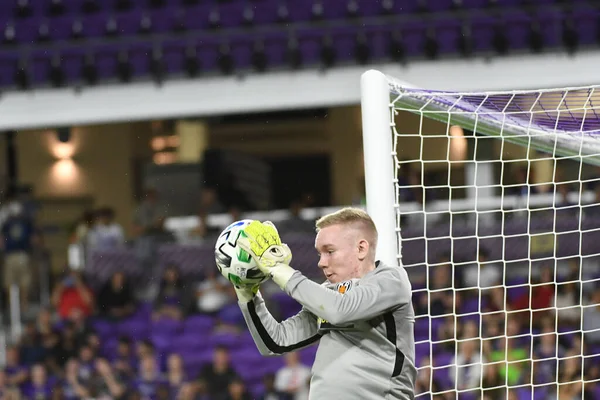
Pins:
x,y
215,378
176,376
105,234
468,365
270,393
294,378
16,373
569,377
295,223
124,360
173,300
237,391
149,215
40,388
71,295
591,319
566,302
16,239
31,349
115,299
149,380
213,293
427,384
440,297
493,386
542,293
484,274
545,355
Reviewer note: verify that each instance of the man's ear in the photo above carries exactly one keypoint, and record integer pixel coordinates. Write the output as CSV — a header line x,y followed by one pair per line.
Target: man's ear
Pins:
x,y
363,249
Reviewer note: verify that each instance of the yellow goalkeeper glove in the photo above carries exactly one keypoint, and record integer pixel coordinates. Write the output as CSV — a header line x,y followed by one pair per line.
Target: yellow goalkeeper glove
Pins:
x,y
261,240
245,294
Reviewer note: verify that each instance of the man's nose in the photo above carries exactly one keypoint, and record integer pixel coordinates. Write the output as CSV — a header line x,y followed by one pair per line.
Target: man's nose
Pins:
x,y
322,262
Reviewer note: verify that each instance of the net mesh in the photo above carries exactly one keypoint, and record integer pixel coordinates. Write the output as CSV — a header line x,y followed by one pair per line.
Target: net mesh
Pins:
x,y
500,238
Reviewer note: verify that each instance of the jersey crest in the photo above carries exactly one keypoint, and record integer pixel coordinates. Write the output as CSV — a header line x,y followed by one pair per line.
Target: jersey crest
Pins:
x,y
325,326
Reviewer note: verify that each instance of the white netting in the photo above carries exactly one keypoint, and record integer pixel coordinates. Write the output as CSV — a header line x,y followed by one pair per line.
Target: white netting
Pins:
x,y
501,240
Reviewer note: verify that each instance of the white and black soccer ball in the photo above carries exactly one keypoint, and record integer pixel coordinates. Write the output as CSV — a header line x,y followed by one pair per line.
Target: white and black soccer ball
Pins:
x,y
233,262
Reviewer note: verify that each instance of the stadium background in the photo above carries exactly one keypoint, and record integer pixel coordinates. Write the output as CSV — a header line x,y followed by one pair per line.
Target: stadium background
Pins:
x,y
219,110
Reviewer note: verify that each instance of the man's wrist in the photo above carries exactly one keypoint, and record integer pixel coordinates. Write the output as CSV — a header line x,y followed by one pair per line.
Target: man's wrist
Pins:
x,y
281,274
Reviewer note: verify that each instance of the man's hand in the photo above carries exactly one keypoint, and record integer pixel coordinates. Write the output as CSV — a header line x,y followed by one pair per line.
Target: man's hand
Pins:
x,y
245,294
261,240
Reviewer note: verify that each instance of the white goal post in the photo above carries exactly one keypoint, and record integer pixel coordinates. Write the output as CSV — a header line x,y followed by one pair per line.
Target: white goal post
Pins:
x,y
503,190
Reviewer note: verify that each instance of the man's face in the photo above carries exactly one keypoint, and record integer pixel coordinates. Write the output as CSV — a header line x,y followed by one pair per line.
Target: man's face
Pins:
x,y
339,254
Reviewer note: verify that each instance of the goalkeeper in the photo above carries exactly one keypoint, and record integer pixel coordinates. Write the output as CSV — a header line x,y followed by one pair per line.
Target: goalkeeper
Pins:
x,y
362,314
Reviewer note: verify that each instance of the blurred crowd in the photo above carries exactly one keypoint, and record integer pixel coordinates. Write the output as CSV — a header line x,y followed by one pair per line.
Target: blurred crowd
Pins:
x,y
493,331
61,355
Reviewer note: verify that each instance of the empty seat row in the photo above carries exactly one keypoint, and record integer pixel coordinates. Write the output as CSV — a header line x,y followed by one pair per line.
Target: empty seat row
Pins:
x,y
242,52
197,19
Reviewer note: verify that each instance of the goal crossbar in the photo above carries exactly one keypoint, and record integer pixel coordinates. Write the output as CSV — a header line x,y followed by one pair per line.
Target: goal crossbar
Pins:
x,y
542,120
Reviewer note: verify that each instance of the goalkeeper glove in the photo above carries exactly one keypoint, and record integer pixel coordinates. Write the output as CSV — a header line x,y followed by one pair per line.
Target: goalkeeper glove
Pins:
x,y
262,241
245,294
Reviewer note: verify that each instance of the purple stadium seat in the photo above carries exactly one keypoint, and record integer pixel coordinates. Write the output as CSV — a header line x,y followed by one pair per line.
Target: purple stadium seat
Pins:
x,y
104,328
72,64
227,339
198,324
196,17
8,69
140,57
414,34
276,47
439,5
517,29
231,314
174,57
166,326
60,28
307,355
474,3
94,25
551,27
136,329
265,12
447,35
585,21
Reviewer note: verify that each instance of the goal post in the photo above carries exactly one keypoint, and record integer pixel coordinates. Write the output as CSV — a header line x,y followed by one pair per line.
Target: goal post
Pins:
x,y
379,162
491,201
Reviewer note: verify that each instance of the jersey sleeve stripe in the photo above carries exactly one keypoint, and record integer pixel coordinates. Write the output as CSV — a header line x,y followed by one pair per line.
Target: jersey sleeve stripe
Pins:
x,y
268,340
390,327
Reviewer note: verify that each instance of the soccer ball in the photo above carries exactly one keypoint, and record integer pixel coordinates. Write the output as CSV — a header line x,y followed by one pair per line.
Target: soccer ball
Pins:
x,y
233,262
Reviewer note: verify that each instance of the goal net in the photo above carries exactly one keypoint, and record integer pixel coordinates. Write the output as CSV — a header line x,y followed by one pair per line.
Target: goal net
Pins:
x,y
491,202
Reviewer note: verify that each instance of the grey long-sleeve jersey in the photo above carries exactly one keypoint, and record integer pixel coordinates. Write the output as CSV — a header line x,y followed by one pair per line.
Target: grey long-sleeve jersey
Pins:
x,y
366,332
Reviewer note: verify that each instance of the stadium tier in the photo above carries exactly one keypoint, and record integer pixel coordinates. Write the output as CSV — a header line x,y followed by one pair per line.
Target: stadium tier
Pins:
x,y
66,42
